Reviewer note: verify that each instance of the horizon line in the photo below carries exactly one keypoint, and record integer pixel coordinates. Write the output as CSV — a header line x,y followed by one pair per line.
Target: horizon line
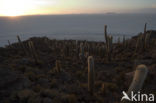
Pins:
x,y
108,13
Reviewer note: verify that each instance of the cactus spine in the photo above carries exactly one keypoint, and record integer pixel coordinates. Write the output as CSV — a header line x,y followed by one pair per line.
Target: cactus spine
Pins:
x,y
91,75
138,79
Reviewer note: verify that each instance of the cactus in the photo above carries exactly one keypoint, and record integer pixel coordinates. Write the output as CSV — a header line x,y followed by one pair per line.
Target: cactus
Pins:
x,y
138,79
140,42
58,66
105,33
109,42
81,55
106,37
118,40
91,75
21,44
124,41
147,39
145,28
33,51
109,47
9,43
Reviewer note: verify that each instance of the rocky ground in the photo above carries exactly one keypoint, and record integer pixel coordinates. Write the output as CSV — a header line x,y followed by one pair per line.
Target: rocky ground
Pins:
x,y
30,75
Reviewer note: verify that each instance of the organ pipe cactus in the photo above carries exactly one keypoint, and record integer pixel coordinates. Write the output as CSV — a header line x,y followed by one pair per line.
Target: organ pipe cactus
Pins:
x,y
138,79
91,75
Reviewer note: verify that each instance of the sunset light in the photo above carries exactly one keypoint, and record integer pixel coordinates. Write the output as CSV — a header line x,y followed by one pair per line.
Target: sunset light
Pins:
x,y
42,7
23,7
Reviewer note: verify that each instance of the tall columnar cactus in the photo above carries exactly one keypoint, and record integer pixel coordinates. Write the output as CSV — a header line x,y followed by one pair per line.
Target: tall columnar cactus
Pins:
x,y
118,40
106,37
124,41
81,50
91,75
144,36
33,51
109,43
9,43
140,42
145,28
138,79
21,44
147,39
58,66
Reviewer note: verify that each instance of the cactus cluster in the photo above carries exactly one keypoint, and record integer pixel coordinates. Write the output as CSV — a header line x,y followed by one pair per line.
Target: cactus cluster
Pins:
x,y
143,40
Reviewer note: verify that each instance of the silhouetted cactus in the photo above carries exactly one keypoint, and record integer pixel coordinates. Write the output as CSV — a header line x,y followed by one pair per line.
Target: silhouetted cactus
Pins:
x,y
21,45
81,55
145,28
109,43
138,79
140,42
9,43
33,51
147,39
58,66
91,74
105,33
118,40
124,41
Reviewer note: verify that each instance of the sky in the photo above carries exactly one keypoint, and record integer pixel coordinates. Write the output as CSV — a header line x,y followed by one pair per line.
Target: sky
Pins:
x,y
42,7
